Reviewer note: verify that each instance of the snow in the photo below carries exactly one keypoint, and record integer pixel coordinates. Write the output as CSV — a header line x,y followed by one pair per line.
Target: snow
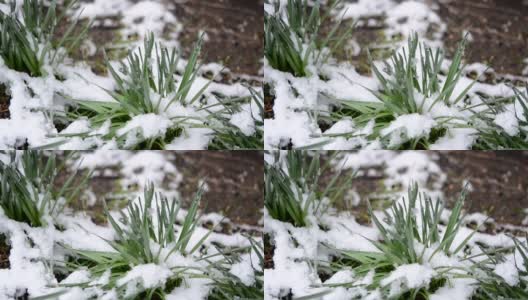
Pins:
x,y
146,126
245,119
144,277
412,276
406,127
245,269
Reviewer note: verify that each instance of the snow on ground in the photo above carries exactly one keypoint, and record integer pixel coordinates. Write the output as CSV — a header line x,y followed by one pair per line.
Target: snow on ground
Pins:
x,y
36,253
35,102
301,255
301,104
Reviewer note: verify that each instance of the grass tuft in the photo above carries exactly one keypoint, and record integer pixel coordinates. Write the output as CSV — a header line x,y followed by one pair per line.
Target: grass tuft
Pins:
x,y
493,136
411,83
293,37
492,286
144,234
27,40
293,189
415,221
230,286
146,84
228,135
30,193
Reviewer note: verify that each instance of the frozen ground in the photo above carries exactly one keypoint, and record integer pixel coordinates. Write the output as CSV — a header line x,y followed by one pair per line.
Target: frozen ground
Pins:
x,y
33,259
32,108
311,111
310,261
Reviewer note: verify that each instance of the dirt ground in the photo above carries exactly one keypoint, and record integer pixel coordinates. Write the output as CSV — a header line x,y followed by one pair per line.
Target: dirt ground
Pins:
x,y
234,28
234,178
235,186
498,29
499,35
4,103
498,179
4,253
500,184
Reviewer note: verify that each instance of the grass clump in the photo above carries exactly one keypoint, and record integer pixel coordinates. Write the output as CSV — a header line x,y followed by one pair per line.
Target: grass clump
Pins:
x,y
411,83
29,191
492,286
146,84
27,37
229,286
292,38
293,189
227,135
493,137
145,234
411,233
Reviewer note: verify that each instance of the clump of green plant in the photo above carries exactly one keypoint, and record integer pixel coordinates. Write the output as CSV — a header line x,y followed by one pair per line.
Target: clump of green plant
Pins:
x,y
28,44
410,85
415,220
146,84
293,38
151,221
229,136
493,136
492,286
229,286
293,189
30,192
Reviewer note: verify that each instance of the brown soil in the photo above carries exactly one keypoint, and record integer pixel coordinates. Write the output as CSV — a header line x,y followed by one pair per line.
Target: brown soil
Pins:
x,y
269,250
5,101
234,29
102,36
498,28
4,253
234,180
498,179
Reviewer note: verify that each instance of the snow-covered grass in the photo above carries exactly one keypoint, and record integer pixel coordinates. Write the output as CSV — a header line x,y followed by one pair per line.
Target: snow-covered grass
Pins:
x,y
414,99
29,195
145,87
234,286
294,191
410,86
152,248
411,240
509,128
151,99
293,39
28,44
233,128
414,248
145,238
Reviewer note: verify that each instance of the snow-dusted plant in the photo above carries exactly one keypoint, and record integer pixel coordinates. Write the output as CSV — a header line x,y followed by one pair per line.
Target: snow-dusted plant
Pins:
x,y
494,286
28,36
507,126
236,282
412,238
146,84
145,240
229,135
293,189
293,40
412,90
29,191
